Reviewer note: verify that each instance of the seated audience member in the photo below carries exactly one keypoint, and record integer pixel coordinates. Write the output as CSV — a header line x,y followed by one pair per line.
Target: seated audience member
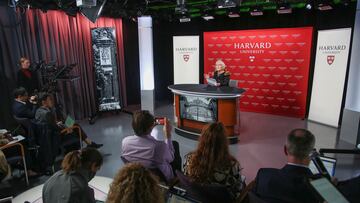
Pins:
x,y
134,183
145,149
9,152
45,115
4,167
71,183
22,106
289,184
211,162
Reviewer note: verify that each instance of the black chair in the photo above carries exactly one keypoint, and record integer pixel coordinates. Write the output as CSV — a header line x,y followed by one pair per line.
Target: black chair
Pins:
x,y
253,198
49,145
154,171
26,124
204,192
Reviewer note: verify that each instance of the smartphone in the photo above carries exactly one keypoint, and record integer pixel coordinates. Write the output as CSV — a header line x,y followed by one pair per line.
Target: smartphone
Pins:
x,y
160,121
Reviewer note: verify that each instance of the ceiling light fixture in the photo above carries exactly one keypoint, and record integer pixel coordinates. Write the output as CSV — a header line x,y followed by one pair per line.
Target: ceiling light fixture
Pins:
x,y
228,3
324,6
284,8
256,11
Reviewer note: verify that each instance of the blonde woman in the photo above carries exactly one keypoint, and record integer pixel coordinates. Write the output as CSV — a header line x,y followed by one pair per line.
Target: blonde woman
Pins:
x,y
134,183
25,77
221,75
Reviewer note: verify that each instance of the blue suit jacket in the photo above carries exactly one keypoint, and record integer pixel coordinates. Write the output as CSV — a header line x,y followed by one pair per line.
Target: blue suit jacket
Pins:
x,y
288,184
21,110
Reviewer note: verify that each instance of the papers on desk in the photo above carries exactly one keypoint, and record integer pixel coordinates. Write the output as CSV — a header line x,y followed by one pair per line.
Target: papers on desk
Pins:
x,y
211,81
16,139
3,131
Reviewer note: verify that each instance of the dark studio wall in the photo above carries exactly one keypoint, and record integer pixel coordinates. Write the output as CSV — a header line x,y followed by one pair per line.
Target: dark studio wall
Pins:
x,y
132,67
163,31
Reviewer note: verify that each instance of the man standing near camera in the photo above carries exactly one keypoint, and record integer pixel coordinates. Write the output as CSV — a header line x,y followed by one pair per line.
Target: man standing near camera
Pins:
x,y
153,154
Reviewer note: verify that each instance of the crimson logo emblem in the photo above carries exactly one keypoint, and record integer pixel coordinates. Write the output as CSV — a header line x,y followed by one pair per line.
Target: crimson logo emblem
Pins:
x,y
330,59
186,57
252,58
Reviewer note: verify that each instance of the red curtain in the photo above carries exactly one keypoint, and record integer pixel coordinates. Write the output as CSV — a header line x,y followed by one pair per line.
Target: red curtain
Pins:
x,y
55,36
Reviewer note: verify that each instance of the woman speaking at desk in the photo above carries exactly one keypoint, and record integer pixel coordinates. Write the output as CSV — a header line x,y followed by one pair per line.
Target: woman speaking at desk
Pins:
x,y
221,75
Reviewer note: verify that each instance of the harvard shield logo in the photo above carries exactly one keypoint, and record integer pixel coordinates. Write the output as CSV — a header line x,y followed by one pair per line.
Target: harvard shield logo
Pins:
x,y
330,59
186,57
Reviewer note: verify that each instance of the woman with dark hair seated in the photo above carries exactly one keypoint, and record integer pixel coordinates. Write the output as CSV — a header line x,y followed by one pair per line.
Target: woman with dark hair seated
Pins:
x,y
71,183
211,162
134,183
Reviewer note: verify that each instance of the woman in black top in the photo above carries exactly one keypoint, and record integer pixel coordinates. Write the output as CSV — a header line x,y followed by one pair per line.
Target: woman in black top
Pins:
x,y
26,77
221,75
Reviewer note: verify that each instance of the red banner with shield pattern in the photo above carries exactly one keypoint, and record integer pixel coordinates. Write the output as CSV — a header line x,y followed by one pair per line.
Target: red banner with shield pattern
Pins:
x,y
272,65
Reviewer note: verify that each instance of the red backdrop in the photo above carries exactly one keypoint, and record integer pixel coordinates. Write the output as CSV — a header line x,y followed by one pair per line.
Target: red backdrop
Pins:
x,y
272,65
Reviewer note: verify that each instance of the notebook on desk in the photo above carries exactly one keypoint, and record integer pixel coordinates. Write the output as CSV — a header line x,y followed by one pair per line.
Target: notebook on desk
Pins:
x,y
211,81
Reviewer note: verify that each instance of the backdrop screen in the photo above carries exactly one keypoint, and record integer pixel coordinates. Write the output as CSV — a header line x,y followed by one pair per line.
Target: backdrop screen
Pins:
x,y
272,65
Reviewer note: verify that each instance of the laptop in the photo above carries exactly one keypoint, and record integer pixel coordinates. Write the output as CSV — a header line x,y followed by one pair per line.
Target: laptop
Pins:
x,y
329,163
69,122
176,195
326,191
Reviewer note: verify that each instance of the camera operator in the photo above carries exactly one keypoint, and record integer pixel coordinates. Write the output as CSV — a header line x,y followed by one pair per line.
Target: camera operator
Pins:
x,y
27,78
153,154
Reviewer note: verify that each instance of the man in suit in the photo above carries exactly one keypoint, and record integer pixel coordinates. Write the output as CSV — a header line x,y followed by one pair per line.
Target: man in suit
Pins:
x,y
289,183
22,106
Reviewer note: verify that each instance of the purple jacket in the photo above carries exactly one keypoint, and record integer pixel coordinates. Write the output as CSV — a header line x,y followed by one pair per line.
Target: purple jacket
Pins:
x,y
150,152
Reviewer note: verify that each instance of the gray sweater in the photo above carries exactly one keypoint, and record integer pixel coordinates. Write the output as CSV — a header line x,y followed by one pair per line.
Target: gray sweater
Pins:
x,y
68,188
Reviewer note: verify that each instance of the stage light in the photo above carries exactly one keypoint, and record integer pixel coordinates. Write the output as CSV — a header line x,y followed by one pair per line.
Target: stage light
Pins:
x,y
184,19
324,6
94,12
180,7
233,13
284,8
228,3
207,16
85,3
309,4
256,11
345,2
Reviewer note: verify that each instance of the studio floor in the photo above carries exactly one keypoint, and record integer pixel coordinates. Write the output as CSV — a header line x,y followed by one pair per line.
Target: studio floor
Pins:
x,y
261,142
262,139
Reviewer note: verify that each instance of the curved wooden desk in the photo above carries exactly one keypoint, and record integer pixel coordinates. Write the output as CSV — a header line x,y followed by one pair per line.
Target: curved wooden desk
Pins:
x,y
197,105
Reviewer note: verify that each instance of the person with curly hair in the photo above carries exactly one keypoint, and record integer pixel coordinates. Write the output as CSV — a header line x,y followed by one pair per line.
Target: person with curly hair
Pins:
x,y
211,162
134,183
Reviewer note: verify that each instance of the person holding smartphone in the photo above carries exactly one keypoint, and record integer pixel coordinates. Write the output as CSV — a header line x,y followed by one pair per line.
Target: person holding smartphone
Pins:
x,y
145,149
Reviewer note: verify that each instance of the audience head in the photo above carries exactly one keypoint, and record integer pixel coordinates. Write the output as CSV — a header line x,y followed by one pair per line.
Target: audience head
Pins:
x,y
24,63
143,123
46,100
299,145
88,159
21,94
134,183
212,152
